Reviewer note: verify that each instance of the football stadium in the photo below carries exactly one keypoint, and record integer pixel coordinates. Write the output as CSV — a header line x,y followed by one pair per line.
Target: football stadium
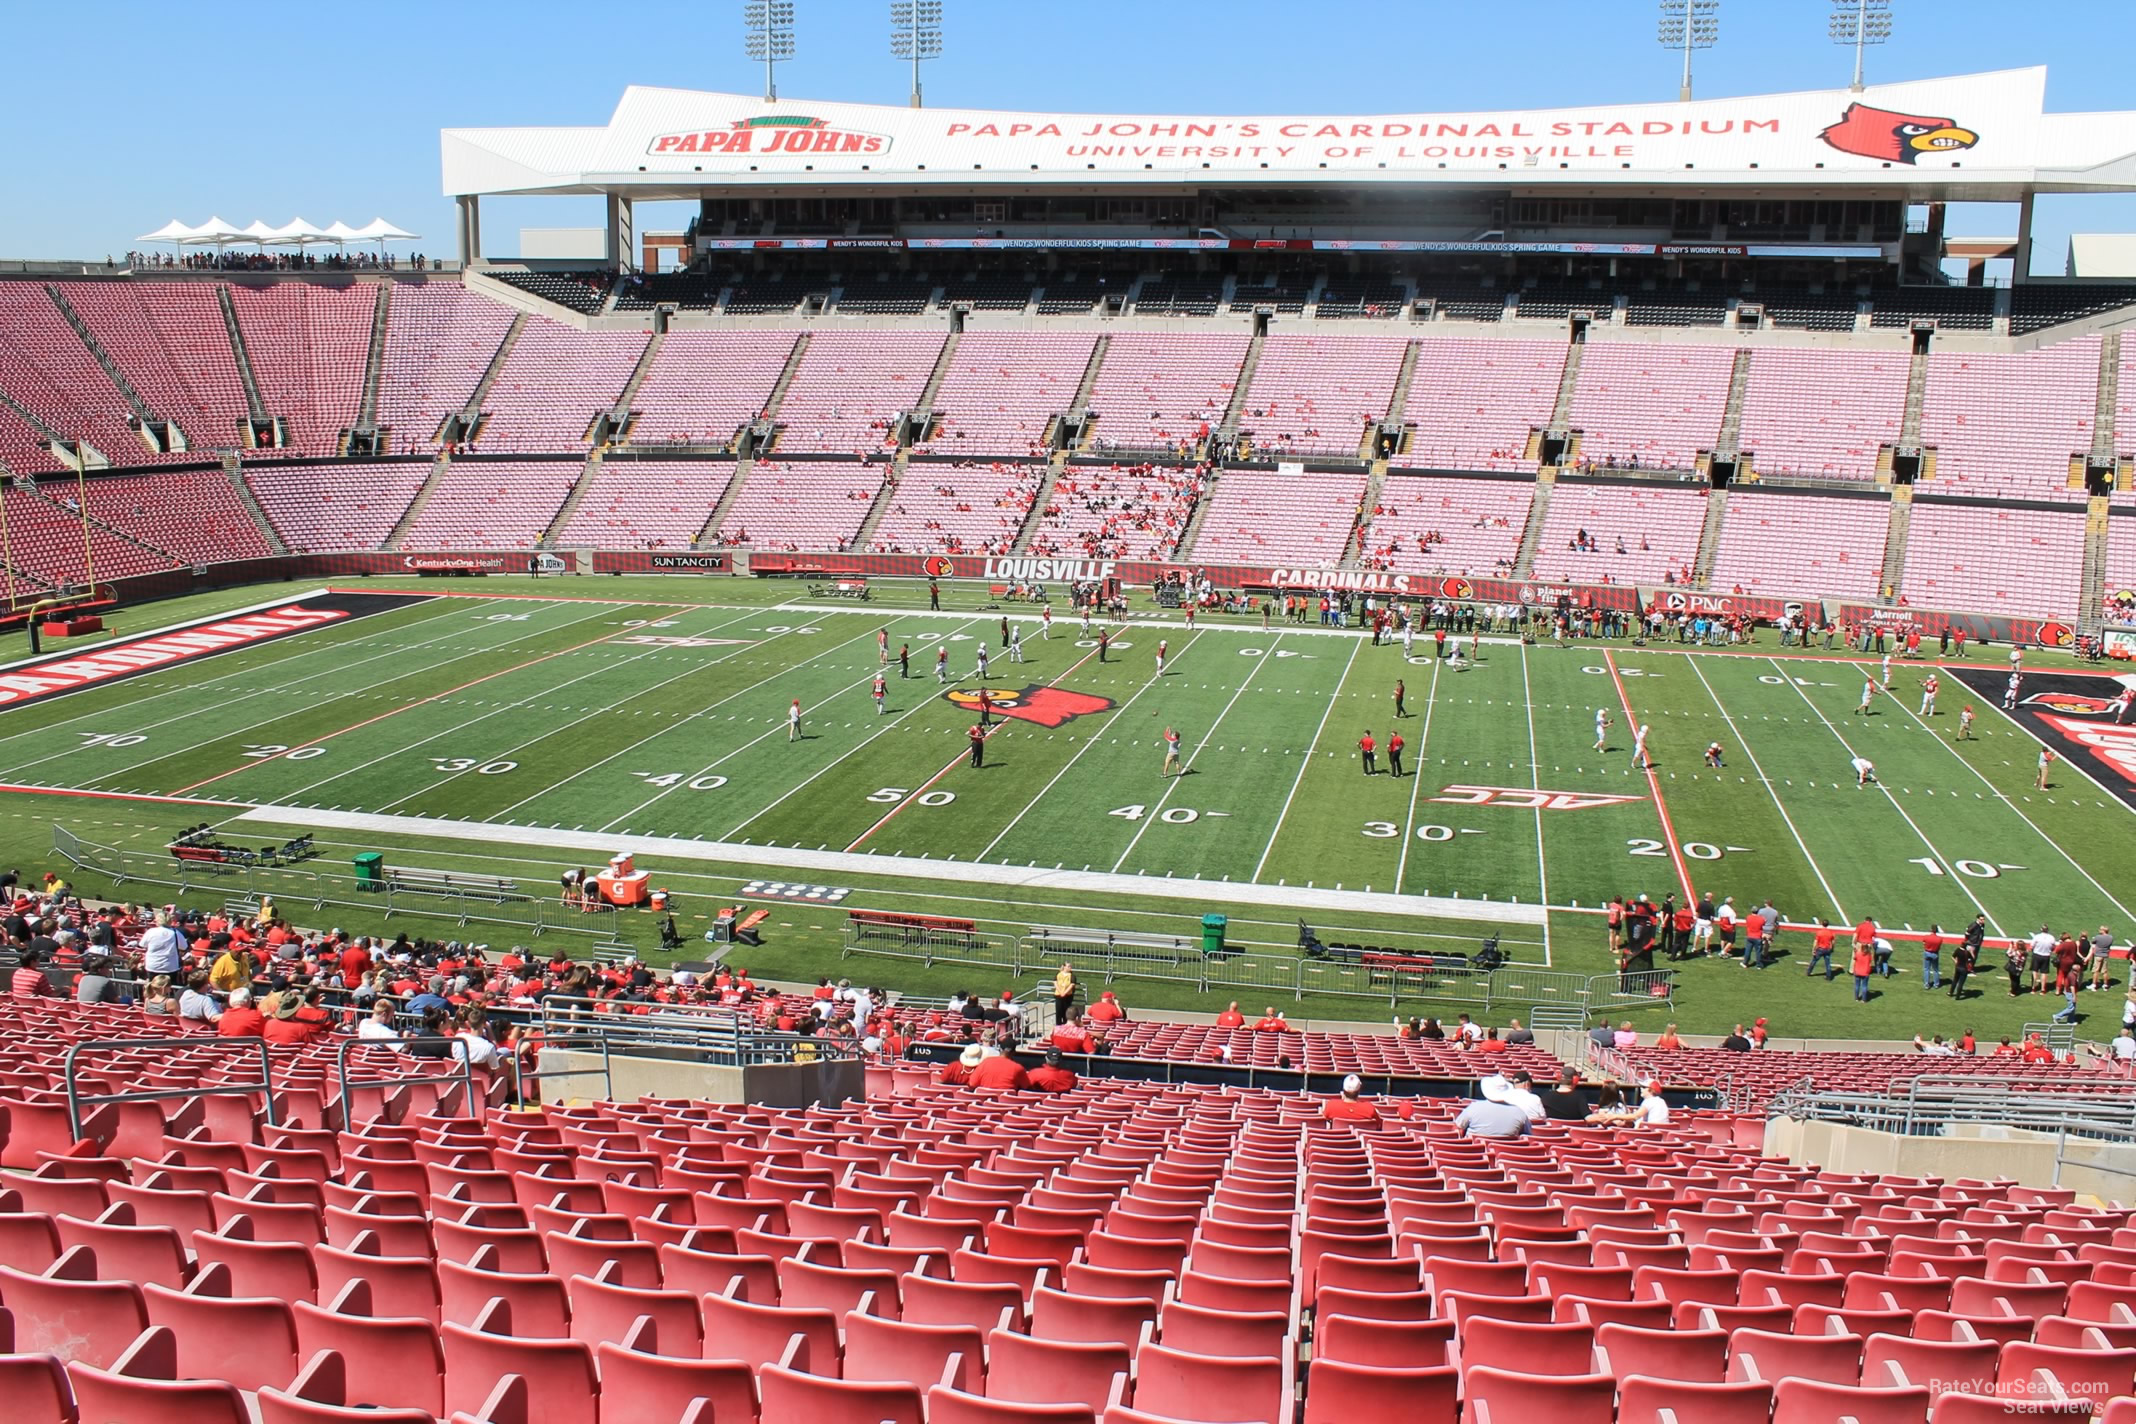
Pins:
x,y
1087,768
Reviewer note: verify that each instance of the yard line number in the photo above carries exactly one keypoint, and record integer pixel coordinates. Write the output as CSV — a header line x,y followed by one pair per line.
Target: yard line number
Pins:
x,y
666,779
890,795
479,768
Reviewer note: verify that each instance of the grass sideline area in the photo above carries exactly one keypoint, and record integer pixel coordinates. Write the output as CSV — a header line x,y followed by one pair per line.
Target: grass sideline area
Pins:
x,y
625,709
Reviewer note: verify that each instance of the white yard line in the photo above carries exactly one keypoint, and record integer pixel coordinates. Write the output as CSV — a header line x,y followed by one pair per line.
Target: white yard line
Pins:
x,y
1941,859
1207,737
2002,796
194,690
1535,780
700,712
1416,782
206,706
1306,761
812,778
1293,897
548,732
549,690
1770,790
1069,765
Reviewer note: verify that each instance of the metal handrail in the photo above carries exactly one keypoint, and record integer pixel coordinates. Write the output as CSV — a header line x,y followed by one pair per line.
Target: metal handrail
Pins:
x,y
521,1074
75,1097
465,1077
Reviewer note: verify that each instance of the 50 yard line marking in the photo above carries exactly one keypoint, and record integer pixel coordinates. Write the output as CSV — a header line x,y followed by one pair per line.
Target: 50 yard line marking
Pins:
x,y
1926,843
918,791
1770,789
1306,761
1676,854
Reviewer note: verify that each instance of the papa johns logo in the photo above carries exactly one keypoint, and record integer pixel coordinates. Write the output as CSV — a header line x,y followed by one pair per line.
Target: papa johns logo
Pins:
x,y
1047,706
772,133
1896,137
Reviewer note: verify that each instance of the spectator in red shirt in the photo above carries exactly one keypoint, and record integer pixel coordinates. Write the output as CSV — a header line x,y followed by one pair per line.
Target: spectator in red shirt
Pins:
x,y
1051,1076
1001,1072
1107,1009
240,1019
1071,1037
960,1072
1351,1106
28,981
1231,1017
1272,1022
1668,1038
1491,1042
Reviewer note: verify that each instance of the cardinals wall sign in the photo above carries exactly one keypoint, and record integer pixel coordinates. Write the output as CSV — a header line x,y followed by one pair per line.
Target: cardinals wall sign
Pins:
x,y
1896,137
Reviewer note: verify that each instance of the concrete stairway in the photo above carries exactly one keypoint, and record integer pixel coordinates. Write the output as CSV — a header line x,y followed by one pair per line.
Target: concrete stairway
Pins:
x,y
253,403
1725,444
570,506
234,468
416,505
1893,577
1531,533
374,366
1709,538
718,515
111,369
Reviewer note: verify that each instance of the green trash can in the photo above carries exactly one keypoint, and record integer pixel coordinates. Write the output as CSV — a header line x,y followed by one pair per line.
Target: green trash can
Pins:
x,y
1213,936
370,871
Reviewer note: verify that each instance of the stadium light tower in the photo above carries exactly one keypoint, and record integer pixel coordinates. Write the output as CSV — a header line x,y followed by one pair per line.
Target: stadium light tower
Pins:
x,y
1860,23
771,37
1688,25
916,34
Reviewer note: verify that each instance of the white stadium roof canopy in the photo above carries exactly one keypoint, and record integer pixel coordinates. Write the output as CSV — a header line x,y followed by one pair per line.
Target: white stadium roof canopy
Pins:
x,y
1981,137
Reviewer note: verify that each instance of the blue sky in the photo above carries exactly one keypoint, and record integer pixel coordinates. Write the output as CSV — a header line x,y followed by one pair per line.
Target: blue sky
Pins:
x,y
129,115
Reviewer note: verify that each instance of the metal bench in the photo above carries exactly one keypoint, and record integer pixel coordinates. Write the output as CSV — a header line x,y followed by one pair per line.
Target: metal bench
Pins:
x,y
450,882
1171,949
856,588
611,954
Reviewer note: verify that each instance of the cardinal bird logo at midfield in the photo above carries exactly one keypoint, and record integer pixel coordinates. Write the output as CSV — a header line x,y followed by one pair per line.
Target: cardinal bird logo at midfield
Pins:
x,y
1896,137
1047,706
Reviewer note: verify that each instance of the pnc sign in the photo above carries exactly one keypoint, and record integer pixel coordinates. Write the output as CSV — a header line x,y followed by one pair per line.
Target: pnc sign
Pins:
x,y
772,133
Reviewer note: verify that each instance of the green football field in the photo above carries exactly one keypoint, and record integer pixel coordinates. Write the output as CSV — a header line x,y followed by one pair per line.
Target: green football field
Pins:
x,y
515,726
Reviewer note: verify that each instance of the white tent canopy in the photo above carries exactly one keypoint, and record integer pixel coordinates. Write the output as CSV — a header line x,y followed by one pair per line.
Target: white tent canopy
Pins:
x,y
215,233
295,233
172,231
302,233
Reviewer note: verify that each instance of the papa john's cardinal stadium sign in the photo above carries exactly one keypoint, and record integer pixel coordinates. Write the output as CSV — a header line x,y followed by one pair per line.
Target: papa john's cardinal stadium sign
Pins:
x,y
1971,131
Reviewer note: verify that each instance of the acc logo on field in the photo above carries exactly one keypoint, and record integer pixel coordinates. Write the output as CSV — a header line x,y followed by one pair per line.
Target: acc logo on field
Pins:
x,y
2057,635
939,566
1456,588
1047,706
2070,702
1528,798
